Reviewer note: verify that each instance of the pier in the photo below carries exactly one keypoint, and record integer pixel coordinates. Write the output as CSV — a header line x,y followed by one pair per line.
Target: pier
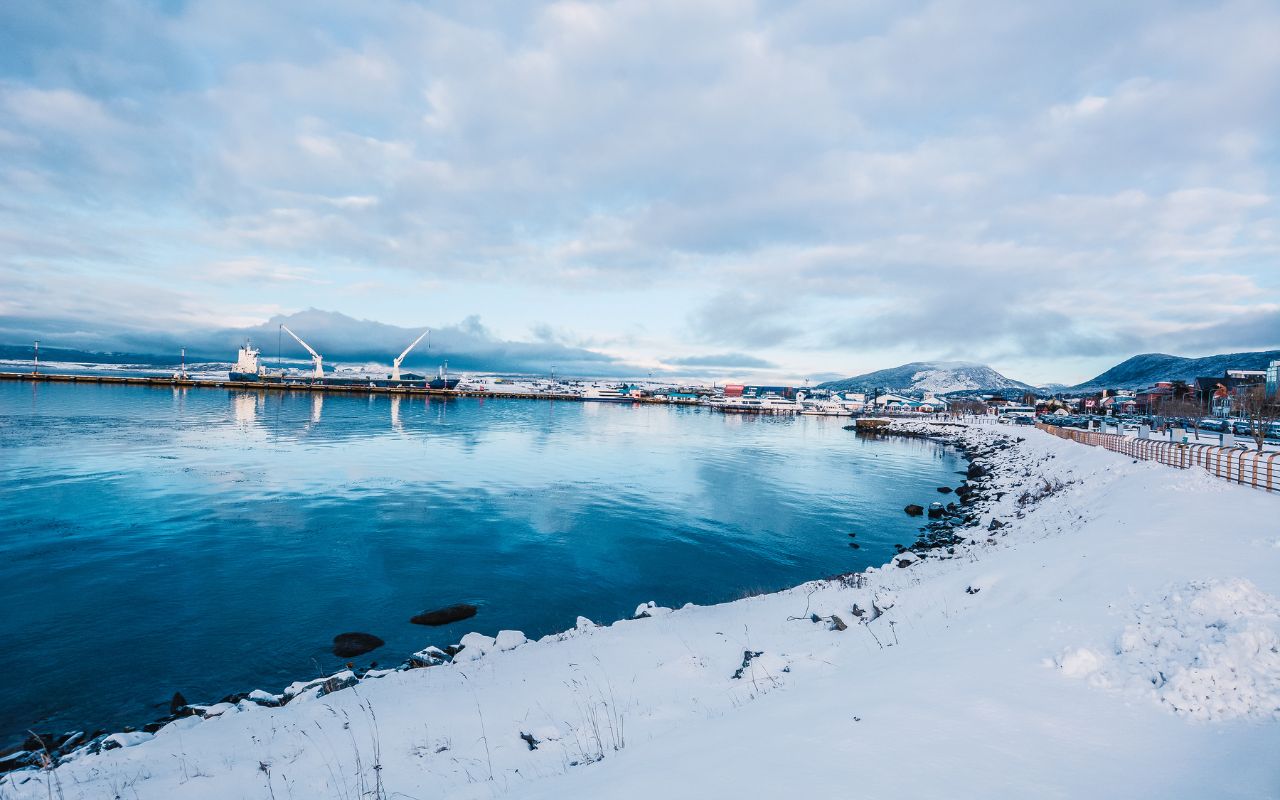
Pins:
x,y
293,386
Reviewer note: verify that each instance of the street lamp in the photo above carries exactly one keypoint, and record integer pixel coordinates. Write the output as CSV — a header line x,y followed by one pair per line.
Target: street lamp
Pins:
x,y
36,369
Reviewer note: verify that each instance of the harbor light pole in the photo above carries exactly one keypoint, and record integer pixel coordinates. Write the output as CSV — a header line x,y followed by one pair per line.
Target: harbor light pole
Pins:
x,y
36,369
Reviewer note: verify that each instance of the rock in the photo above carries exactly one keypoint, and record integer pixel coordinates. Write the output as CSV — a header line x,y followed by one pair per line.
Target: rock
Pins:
x,y
971,590
914,510
335,683
945,489
509,640
429,657
837,624
935,513
176,704
444,616
995,525
349,645
855,545
529,740
976,470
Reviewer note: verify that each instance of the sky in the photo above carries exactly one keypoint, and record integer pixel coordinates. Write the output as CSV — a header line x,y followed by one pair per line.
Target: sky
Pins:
x,y
693,187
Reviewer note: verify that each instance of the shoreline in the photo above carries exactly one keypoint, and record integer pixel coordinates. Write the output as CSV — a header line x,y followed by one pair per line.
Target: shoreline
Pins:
x,y
996,657
41,746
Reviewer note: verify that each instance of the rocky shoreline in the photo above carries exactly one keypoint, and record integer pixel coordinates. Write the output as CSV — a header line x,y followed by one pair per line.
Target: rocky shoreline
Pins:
x,y
939,538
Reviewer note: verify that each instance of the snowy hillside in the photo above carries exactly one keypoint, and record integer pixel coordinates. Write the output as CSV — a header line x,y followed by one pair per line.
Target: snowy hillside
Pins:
x,y
1143,370
936,377
1086,639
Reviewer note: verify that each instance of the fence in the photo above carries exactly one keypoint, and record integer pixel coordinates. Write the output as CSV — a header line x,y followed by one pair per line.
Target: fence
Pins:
x,y
1248,467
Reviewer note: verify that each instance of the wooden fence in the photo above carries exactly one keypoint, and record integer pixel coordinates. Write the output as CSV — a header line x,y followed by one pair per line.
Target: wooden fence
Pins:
x,y
1248,467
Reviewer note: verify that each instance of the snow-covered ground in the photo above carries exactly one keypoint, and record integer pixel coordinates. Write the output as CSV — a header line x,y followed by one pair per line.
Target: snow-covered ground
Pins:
x,y
1118,637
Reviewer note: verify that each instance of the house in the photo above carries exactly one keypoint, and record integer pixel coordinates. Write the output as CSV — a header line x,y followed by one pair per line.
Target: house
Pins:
x,y
1220,395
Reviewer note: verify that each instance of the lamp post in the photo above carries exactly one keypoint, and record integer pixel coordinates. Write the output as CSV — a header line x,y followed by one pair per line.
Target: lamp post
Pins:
x,y
35,370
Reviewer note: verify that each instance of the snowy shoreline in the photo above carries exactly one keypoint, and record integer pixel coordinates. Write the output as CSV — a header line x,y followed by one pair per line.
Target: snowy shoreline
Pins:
x,y
596,711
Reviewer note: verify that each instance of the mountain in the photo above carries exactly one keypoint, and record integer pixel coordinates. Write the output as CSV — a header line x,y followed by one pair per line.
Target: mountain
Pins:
x,y
1142,371
934,377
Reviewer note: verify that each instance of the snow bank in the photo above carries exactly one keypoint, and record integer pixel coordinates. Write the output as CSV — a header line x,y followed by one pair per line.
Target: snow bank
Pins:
x,y
1207,649
1114,635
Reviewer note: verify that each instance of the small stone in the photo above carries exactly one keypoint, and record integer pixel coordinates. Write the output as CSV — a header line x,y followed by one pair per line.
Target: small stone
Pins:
x,y
945,489
914,510
837,624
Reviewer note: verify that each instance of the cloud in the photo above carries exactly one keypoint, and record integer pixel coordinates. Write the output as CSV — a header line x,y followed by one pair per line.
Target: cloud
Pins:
x,y
721,360
812,181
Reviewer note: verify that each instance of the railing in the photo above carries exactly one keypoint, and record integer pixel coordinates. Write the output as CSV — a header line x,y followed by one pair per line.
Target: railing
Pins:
x,y
1260,469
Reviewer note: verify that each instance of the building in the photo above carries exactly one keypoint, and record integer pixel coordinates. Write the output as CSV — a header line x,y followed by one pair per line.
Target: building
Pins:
x,y
1220,395
1273,379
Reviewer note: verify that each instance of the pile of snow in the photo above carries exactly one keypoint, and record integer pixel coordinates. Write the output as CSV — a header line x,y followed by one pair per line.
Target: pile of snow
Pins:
x,y
1208,649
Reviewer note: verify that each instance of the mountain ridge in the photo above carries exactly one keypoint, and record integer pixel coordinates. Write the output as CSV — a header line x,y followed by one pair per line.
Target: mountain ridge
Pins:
x,y
931,377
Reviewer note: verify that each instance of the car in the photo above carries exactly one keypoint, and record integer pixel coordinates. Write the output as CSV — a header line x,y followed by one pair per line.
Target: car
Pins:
x,y
1023,421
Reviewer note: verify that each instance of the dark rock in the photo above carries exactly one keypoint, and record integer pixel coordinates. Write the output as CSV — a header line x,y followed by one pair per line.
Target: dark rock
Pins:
x,y
914,510
177,703
529,740
349,645
971,590
995,525
945,489
335,684
855,545
453,649
747,655
18,760
935,513
837,624
976,470
444,616
853,534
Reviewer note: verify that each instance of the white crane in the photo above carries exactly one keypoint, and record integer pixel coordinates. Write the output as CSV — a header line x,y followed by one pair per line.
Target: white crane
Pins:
x,y
395,365
315,357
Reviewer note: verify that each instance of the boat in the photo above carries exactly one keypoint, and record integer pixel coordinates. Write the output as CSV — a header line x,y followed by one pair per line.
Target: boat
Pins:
x,y
606,394
768,403
249,369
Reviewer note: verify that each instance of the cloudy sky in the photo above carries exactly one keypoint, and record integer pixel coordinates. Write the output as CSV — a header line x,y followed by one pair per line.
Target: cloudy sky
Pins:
x,y
697,186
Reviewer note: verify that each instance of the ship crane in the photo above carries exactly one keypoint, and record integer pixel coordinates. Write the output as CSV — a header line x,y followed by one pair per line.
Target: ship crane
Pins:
x,y
395,365
315,357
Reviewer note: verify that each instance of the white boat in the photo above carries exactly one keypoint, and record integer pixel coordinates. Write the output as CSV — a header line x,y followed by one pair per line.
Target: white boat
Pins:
x,y
825,407
768,404
606,394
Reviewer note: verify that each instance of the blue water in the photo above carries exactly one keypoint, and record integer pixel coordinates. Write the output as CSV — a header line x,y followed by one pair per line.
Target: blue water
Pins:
x,y
209,541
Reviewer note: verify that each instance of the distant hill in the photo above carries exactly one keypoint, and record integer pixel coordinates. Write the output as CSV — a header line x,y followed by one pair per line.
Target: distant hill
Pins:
x,y
936,377
1142,371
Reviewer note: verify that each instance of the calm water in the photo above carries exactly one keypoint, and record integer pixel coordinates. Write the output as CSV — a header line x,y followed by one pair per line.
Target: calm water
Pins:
x,y
154,540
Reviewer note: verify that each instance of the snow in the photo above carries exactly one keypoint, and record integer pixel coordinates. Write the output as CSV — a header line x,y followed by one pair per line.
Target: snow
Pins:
x,y
1117,638
1207,649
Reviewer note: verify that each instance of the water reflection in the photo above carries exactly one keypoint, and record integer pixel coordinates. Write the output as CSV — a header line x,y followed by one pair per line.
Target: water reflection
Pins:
x,y
246,409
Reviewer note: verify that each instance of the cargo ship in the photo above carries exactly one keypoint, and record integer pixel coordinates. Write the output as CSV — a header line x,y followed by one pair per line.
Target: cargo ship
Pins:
x,y
249,369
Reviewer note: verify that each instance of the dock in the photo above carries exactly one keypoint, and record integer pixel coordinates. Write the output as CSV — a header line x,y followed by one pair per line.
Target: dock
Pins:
x,y
292,386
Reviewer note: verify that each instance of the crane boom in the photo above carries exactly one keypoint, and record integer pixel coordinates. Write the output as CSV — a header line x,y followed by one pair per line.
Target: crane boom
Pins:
x,y
315,357
395,365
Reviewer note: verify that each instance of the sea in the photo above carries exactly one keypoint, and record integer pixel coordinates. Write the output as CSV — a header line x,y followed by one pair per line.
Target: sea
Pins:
x,y
208,541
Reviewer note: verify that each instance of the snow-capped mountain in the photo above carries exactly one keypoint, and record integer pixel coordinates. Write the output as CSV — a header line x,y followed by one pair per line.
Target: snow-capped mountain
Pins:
x,y
929,377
